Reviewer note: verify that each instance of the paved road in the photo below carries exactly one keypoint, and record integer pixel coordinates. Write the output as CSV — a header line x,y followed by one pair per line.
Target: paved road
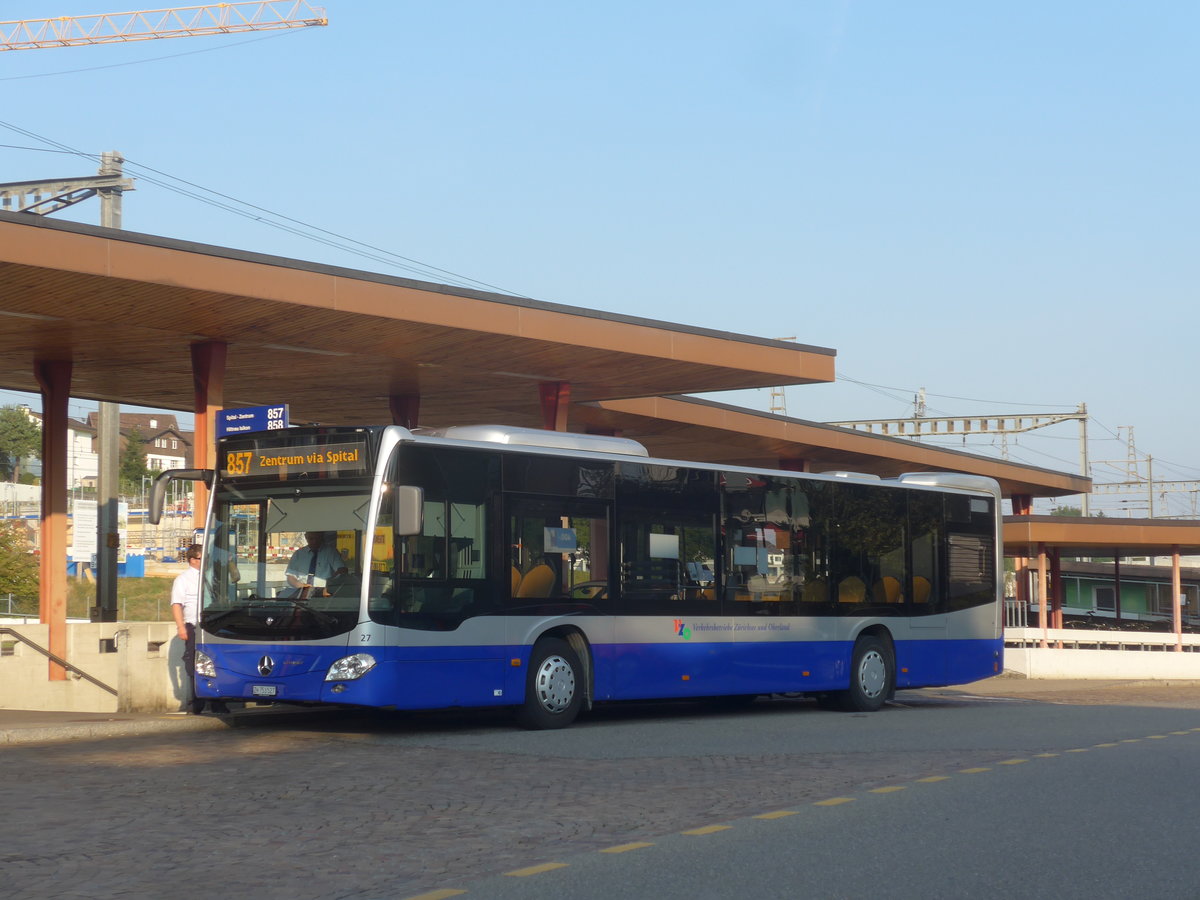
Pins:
x,y
1113,819
398,806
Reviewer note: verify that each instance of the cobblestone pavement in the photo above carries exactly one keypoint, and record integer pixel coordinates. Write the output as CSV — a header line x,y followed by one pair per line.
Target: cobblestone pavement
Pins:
x,y
395,806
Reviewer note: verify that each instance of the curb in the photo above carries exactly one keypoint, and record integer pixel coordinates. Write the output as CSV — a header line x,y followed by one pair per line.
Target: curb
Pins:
x,y
44,734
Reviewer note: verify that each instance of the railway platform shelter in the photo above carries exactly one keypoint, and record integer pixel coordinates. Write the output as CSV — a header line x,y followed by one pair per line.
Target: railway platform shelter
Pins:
x,y
1038,545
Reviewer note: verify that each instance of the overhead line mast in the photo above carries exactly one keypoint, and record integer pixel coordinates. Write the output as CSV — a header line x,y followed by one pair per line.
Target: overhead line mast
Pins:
x,y
145,25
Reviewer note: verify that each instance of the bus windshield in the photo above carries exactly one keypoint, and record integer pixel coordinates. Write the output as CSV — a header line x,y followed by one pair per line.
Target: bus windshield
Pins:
x,y
284,562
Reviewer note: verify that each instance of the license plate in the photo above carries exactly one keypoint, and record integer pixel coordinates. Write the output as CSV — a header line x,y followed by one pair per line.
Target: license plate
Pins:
x,y
262,690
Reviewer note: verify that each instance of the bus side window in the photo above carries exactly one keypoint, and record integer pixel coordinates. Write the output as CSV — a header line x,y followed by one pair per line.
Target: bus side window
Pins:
x,y
558,550
925,529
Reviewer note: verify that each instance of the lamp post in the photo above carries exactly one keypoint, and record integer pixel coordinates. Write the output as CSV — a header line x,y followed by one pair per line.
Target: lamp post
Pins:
x,y
145,517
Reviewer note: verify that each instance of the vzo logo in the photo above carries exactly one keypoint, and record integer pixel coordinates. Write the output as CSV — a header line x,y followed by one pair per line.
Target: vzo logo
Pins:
x,y
682,630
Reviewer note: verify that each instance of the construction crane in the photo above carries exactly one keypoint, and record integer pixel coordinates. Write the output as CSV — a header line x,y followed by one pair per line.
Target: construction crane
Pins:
x,y
146,25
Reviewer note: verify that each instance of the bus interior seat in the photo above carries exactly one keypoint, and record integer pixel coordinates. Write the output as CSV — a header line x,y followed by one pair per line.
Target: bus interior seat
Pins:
x,y
887,590
816,592
538,582
920,589
852,590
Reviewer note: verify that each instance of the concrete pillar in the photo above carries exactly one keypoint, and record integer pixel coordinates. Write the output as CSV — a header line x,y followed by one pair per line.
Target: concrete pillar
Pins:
x,y
55,380
208,382
556,399
1176,590
405,409
1056,591
1043,594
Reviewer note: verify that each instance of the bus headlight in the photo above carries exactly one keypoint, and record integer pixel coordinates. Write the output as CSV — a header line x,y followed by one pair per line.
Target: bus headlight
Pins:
x,y
349,668
204,665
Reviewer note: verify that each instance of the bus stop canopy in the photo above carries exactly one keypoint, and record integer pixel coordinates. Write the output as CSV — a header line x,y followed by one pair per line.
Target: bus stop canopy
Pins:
x,y
1075,536
336,344
340,346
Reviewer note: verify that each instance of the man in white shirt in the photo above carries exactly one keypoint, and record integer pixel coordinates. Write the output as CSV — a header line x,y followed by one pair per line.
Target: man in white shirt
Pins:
x,y
185,595
311,567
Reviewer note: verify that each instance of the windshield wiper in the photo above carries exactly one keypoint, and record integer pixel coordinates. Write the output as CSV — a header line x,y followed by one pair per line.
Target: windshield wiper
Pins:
x,y
322,617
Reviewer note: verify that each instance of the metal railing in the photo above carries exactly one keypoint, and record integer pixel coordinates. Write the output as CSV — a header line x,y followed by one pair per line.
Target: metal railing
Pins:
x,y
1016,613
12,632
1083,639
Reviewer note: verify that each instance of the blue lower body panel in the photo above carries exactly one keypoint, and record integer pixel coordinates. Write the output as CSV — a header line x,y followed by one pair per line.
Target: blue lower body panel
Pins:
x,y
643,671
403,677
437,677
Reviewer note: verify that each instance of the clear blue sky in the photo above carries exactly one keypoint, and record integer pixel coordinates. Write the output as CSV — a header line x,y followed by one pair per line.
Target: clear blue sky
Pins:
x,y
994,201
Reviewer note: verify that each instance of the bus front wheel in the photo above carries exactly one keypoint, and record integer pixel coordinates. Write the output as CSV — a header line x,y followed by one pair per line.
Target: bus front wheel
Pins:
x,y
553,687
872,676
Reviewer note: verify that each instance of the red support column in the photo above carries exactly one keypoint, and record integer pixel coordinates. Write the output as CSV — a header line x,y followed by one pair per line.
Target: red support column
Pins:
x,y
1043,594
208,384
1176,590
405,409
1117,582
556,398
55,380
1056,591
1022,504
794,465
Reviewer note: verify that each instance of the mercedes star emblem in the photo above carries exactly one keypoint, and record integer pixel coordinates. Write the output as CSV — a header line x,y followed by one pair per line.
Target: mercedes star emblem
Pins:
x,y
266,666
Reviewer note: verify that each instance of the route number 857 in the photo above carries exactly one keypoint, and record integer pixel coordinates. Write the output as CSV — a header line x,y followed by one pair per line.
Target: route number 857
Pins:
x,y
238,463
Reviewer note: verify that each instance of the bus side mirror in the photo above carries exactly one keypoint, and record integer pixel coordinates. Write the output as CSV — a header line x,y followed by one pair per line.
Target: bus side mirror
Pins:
x,y
158,488
410,509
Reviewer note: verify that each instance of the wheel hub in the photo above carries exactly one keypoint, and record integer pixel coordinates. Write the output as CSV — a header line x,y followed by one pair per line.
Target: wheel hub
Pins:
x,y
555,684
872,674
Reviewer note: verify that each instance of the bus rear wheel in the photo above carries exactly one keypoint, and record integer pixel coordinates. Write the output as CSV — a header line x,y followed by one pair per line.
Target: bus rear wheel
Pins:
x,y
553,687
872,676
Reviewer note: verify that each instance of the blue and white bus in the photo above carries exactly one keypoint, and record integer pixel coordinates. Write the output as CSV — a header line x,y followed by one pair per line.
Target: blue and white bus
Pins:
x,y
544,571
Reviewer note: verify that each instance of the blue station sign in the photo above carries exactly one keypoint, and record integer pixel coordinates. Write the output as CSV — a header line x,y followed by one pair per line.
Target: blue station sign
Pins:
x,y
251,418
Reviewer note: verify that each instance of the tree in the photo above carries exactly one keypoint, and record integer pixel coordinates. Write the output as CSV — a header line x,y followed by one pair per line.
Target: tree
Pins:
x,y
18,568
20,439
132,466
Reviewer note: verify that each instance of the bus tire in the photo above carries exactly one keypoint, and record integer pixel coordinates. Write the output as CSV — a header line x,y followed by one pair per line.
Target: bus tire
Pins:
x,y
553,686
872,675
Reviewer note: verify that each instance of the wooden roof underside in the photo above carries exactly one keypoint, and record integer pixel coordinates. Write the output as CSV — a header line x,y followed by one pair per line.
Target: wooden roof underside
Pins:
x,y
336,343
693,428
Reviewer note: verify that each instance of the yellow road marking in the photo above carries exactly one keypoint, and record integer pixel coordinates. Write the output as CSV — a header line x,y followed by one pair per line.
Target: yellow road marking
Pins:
x,y
1078,750
777,815
438,895
707,829
1131,740
975,771
536,870
1156,737
1044,755
1180,732
1105,745
1012,762
834,801
932,778
625,848
886,790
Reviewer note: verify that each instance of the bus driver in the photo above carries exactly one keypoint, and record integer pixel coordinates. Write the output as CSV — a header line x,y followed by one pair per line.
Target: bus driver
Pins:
x,y
313,565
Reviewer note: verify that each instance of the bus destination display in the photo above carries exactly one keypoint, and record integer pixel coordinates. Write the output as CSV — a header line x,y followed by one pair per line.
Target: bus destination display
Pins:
x,y
347,458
